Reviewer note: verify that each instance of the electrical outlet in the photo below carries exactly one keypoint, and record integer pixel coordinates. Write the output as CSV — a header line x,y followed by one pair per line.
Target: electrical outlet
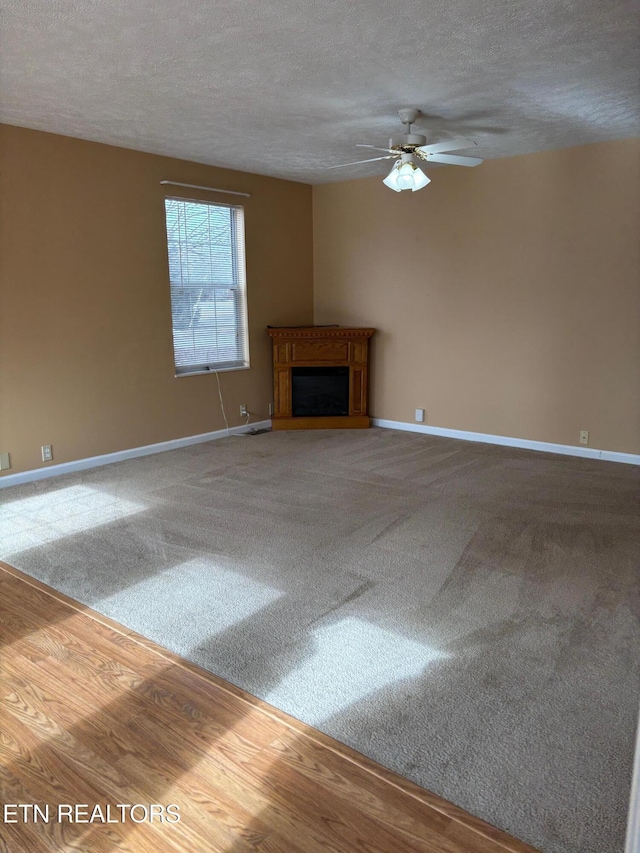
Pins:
x,y
270,410
243,410
47,453
420,416
5,461
584,436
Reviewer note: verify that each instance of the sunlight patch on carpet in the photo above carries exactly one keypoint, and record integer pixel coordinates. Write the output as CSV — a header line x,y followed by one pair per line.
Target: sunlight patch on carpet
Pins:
x,y
187,603
351,659
40,519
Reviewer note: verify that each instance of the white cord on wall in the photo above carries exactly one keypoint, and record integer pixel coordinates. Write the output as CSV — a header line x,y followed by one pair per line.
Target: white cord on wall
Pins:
x,y
224,415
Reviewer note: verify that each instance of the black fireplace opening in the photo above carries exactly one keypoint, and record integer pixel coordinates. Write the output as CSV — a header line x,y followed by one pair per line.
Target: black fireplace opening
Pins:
x,y
319,391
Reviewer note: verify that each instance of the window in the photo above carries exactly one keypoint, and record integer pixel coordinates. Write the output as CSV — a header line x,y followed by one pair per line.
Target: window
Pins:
x,y
208,294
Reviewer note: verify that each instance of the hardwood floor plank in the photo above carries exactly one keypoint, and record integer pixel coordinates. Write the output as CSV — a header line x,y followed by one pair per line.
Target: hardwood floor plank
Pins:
x,y
28,776
156,777
211,813
94,713
327,772
25,839
171,767
350,826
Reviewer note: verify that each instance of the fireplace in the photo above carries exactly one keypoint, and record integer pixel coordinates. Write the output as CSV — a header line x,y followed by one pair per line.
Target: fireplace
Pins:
x,y
319,392
320,377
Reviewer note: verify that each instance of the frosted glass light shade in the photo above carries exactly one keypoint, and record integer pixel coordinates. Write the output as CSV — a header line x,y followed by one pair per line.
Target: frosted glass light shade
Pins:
x,y
420,180
391,180
406,176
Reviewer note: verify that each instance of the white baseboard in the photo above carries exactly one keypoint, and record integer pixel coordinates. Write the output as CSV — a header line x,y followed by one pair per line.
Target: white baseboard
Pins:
x,y
122,455
548,447
174,444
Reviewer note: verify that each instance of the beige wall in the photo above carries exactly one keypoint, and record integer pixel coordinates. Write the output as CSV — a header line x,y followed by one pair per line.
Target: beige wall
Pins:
x,y
86,360
507,297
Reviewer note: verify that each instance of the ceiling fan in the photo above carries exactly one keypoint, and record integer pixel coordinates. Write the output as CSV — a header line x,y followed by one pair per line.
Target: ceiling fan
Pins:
x,y
405,174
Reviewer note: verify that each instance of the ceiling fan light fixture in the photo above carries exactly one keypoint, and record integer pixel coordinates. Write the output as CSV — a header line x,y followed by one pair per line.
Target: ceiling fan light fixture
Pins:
x,y
405,175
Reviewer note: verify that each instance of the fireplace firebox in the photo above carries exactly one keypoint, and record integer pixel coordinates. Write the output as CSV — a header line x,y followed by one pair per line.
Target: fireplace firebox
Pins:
x,y
319,392
320,377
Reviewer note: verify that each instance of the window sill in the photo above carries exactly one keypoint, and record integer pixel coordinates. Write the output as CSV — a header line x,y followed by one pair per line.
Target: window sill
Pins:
x,y
211,372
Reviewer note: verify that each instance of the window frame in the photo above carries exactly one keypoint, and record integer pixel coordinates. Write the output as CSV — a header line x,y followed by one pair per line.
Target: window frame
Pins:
x,y
238,288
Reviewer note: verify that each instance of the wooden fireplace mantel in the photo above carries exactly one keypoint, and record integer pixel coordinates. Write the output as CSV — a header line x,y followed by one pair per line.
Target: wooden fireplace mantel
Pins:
x,y
320,346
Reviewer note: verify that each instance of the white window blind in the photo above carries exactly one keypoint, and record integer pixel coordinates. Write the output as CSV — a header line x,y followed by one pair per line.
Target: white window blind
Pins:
x,y
208,289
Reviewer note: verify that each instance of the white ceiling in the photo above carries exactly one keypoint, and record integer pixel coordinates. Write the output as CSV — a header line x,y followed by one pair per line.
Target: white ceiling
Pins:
x,y
286,87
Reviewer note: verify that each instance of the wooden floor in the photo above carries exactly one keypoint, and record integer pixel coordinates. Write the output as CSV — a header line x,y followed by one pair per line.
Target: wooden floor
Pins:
x,y
95,714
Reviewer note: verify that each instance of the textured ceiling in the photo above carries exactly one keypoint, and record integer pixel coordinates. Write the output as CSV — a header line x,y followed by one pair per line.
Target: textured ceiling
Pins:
x,y
286,88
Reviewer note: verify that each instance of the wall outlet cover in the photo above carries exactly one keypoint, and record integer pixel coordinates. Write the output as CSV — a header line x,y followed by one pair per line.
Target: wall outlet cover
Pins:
x,y
420,416
5,461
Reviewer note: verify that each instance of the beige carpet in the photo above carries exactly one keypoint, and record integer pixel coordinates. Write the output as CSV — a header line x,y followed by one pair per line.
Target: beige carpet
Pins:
x,y
466,614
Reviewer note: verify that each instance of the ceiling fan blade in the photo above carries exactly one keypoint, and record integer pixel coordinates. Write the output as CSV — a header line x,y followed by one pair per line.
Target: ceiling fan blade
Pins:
x,y
357,162
374,147
454,160
451,145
